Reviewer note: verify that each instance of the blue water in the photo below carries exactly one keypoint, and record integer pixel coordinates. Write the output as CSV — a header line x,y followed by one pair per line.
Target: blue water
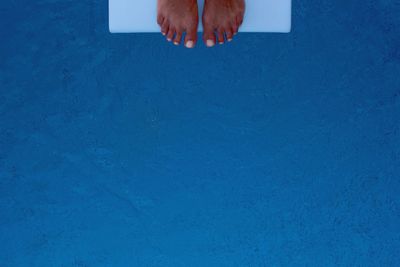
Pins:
x,y
272,150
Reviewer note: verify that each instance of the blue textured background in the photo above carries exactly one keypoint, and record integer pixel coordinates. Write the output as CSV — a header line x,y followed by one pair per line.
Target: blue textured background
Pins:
x,y
273,150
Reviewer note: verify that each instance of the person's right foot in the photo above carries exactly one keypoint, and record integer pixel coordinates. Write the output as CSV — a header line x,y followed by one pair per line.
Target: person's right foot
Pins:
x,y
176,17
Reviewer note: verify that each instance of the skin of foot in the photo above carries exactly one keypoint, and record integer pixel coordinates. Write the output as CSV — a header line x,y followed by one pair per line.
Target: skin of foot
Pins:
x,y
177,17
221,18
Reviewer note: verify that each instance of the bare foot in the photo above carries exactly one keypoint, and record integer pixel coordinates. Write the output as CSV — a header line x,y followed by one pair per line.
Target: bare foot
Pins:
x,y
221,18
176,17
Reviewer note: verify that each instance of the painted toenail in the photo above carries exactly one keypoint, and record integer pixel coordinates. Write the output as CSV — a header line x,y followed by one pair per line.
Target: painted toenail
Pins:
x,y
210,43
189,44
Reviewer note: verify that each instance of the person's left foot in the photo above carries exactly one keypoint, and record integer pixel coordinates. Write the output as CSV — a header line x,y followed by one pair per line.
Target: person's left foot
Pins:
x,y
221,18
176,17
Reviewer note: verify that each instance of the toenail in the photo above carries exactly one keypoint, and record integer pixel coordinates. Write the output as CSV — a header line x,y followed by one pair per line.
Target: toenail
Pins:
x,y
229,39
189,44
221,42
169,39
163,33
176,43
210,43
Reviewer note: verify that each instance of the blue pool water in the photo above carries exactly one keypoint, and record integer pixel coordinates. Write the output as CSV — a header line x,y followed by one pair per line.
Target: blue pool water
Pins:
x,y
273,150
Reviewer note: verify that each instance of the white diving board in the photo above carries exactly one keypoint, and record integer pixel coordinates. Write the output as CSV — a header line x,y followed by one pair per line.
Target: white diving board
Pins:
x,y
135,16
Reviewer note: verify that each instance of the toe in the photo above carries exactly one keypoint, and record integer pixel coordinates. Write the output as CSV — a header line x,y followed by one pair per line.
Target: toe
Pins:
x,y
191,38
229,34
235,28
239,19
178,37
170,34
221,34
165,27
160,19
209,37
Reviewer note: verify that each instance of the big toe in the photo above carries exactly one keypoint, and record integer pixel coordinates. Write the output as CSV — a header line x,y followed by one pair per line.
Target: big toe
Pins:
x,y
209,36
191,37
